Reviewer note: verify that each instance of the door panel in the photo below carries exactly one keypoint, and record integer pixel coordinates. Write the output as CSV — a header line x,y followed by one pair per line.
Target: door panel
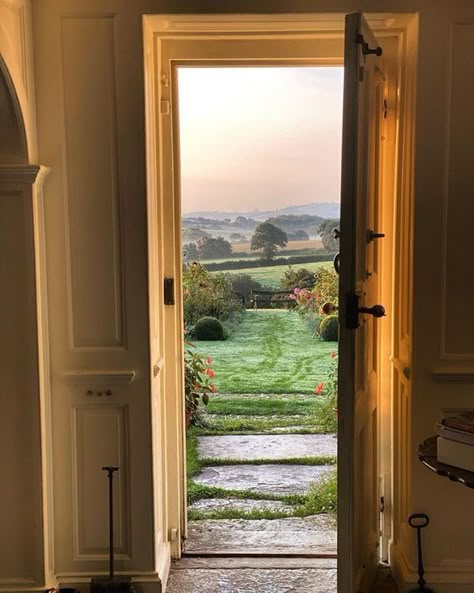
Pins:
x,y
358,540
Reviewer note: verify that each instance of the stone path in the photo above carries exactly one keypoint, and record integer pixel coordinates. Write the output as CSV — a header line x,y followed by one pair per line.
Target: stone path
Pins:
x,y
266,479
238,504
291,535
267,446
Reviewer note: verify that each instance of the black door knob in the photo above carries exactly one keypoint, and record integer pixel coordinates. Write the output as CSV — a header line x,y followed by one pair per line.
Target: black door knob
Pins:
x,y
376,310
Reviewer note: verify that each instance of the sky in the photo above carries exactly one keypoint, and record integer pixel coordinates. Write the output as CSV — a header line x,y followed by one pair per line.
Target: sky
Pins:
x,y
259,137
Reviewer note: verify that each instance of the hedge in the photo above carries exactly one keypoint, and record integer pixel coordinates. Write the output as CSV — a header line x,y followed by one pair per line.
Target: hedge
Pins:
x,y
260,263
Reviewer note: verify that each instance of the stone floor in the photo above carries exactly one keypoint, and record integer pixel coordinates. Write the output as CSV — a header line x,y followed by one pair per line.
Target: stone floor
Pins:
x,y
292,535
262,575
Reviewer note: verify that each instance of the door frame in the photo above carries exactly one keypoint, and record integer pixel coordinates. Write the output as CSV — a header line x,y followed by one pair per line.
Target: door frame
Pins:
x,y
169,37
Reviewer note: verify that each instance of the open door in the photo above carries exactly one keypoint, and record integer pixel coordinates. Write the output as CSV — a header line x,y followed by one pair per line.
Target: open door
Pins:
x,y
358,496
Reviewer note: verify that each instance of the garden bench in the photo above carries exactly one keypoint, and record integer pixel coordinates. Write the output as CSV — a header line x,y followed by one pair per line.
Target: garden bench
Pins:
x,y
269,299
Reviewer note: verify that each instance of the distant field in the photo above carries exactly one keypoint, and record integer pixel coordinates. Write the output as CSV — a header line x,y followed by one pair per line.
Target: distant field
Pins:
x,y
292,245
271,276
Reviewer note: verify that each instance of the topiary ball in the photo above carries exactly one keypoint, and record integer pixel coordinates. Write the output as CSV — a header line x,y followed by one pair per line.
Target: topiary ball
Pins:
x,y
209,328
329,328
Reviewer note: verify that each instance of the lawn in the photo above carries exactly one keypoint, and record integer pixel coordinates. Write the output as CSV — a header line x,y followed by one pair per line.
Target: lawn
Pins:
x,y
270,276
272,351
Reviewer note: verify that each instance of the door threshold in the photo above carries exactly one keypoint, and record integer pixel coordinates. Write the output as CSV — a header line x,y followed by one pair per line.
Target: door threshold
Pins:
x,y
256,554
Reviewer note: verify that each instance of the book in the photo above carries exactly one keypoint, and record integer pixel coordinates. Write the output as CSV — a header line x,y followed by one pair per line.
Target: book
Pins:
x,y
454,434
463,422
455,453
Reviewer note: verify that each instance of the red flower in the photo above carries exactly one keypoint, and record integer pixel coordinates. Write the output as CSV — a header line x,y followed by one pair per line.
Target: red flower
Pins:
x,y
319,387
212,388
210,373
333,355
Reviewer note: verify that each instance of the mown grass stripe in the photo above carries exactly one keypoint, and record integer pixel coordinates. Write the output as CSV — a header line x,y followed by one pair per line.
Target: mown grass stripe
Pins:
x,y
313,460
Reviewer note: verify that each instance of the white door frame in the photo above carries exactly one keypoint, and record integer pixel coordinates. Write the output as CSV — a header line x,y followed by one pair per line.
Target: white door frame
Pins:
x,y
186,39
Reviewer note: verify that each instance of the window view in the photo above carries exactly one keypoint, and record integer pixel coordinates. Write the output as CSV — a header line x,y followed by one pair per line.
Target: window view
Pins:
x,y
260,180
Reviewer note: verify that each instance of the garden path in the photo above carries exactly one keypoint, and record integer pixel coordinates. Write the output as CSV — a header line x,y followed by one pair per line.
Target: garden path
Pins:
x,y
264,461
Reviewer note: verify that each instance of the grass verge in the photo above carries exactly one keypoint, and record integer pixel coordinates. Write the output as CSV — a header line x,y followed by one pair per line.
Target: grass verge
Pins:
x,y
220,405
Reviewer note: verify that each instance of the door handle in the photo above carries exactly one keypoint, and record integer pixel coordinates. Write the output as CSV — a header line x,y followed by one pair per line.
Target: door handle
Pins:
x,y
376,310
372,235
354,310
336,262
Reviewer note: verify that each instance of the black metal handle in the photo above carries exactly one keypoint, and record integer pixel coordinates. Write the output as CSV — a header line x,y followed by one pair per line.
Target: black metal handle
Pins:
x,y
377,310
371,235
337,263
378,51
168,291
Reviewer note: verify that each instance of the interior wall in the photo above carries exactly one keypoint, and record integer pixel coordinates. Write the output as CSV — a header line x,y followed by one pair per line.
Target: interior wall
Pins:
x,y
89,83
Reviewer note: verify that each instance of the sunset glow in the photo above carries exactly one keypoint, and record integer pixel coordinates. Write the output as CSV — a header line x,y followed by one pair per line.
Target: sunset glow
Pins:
x,y
259,137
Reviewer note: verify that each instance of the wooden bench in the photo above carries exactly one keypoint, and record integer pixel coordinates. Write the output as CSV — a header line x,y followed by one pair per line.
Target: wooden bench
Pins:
x,y
271,299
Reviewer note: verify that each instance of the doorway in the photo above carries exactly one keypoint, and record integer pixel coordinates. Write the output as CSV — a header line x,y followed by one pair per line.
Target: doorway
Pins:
x,y
258,40
259,162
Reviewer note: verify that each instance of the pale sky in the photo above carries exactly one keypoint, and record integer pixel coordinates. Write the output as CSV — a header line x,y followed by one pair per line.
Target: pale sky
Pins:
x,y
259,137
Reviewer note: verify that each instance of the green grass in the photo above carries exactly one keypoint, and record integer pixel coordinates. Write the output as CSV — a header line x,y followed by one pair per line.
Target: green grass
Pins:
x,y
272,351
291,406
195,515
271,275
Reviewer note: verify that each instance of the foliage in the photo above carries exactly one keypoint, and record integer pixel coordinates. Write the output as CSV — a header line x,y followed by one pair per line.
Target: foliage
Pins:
x,y
190,252
244,284
326,231
326,391
326,286
209,247
238,264
297,277
209,328
197,381
207,295
237,238
329,328
322,496
295,222
193,234
298,236
268,238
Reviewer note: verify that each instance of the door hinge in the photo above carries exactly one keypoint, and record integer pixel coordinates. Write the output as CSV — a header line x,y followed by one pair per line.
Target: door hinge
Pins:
x,y
382,504
385,109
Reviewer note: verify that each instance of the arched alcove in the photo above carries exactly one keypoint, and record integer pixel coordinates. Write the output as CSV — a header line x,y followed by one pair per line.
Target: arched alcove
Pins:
x,y
13,145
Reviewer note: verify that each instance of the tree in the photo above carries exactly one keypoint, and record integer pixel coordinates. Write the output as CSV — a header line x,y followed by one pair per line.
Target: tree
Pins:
x,y
268,238
210,248
326,232
190,252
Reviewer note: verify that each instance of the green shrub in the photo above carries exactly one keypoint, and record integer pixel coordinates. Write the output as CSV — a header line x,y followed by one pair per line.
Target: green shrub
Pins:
x,y
329,328
207,295
301,278
244,284
209,328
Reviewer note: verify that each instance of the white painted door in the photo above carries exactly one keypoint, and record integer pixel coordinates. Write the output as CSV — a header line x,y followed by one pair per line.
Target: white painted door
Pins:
x,y
359,532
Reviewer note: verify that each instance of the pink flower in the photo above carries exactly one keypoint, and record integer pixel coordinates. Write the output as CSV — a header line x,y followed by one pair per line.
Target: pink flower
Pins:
x,y
210,373
297,290
292,297
319,387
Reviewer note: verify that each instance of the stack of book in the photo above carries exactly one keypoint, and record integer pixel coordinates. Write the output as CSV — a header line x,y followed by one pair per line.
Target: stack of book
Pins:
x,y
456,441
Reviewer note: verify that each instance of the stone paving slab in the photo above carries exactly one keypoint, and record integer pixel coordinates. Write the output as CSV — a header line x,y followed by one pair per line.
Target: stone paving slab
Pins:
x,y
288,562
302,580
294,535
268,479
266,446
237,504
